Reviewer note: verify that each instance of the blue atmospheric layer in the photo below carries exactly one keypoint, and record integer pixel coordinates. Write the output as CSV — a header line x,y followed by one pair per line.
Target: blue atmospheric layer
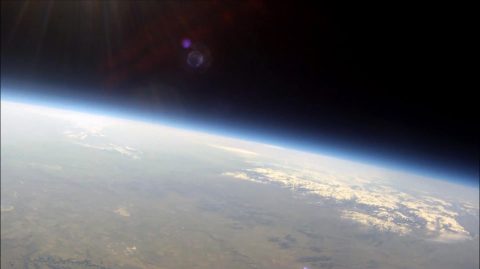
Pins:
x,y
324,147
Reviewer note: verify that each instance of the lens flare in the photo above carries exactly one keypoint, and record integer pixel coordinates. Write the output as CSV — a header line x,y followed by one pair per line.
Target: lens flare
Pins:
x,y
186,43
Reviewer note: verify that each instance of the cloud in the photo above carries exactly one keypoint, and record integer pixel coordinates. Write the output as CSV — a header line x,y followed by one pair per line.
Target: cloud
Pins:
x,y
235,150
375,204
124,150
88,131
241,175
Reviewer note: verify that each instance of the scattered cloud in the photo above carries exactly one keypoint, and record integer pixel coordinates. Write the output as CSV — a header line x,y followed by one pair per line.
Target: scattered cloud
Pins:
x,y
92,136
122,211
385,223
370,202
235,150
241,175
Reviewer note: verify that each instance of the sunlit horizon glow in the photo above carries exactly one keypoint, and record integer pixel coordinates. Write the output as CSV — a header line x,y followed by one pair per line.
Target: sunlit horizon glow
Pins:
x,y
96,115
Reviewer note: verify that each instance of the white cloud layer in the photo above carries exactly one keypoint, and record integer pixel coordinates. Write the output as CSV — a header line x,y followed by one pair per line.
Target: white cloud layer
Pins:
x,y
376,205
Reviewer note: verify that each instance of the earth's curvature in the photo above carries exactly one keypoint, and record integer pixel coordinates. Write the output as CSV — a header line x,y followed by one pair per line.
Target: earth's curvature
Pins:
x,y
87,191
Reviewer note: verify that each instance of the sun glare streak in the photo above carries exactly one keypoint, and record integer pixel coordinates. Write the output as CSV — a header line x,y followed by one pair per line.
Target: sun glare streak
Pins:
x,y
43,31
19,19
106,27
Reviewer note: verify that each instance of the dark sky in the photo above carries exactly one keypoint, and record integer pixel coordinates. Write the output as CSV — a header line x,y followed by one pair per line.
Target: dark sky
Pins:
x,y
381,81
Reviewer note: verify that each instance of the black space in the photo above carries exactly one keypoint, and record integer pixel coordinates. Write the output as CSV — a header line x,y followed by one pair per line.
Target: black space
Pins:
x,y
386,80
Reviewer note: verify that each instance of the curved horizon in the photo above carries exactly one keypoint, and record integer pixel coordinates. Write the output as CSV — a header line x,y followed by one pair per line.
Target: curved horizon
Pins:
x,y
175,121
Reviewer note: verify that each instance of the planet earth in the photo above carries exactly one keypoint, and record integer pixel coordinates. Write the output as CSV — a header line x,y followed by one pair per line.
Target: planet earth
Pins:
x,y
91,191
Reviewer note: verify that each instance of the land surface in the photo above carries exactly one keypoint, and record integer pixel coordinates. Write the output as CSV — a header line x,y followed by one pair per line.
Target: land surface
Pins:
x,y
83,191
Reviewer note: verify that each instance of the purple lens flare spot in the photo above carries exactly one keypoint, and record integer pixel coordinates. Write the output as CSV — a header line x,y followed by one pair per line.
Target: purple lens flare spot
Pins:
x,y
186,43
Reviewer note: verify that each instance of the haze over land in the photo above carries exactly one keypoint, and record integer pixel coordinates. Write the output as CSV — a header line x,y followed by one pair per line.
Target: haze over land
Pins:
x,y
87,191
